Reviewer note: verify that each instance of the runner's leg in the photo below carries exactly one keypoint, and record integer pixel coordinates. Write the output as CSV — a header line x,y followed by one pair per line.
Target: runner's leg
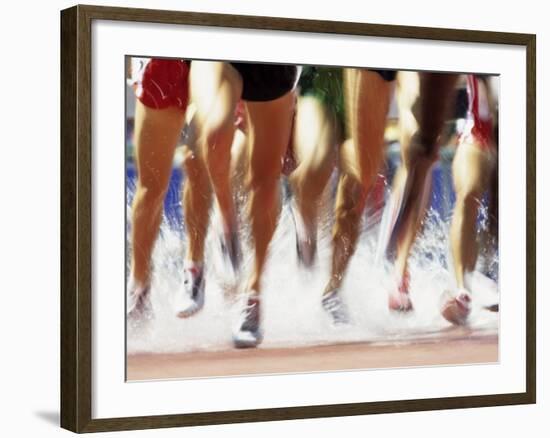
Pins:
x,y
156,135
314,140
216,88
269,130
360,160
412,180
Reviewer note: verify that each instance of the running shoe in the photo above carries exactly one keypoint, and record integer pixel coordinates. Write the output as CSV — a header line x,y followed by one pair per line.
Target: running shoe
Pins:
x,y
492,307
139,302
335,308
247,332
306,239
399,300
456,310
190,298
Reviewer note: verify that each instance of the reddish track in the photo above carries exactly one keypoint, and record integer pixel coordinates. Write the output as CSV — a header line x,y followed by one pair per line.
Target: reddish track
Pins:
x,y
445,350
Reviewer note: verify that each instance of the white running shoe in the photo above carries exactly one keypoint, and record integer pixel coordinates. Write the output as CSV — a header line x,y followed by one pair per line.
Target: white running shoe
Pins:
x,y
457,309
247,332
190,298
306,237
138,304
335,308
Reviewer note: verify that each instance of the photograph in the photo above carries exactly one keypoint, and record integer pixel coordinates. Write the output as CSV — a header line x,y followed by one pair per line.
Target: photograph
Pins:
x,y
275,219
308,218
286,219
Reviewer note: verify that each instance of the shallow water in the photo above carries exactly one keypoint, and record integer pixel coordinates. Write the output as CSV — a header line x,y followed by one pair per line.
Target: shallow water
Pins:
x,y
292,314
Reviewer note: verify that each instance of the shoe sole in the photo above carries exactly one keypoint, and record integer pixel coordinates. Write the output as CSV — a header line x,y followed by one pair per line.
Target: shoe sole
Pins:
x,y
246,344
453,314
187,313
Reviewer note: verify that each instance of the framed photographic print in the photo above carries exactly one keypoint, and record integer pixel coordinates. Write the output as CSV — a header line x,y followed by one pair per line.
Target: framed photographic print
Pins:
x,y
267,218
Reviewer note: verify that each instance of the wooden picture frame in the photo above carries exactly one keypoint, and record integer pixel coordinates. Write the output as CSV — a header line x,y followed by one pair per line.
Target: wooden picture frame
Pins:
x,y
76,217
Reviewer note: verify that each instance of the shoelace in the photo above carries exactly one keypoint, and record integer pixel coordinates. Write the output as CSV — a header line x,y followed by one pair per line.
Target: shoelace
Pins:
x,y
333,304
248,316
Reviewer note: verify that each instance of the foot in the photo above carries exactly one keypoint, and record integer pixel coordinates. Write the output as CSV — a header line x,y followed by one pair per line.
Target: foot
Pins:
x,y
456,310
335,308
139,302
190,298
306,239
399,299
231,249
400,302
247,332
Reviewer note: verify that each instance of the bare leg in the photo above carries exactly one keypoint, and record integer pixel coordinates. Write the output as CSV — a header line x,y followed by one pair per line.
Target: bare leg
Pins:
x,y
367,97
216,88
472,168
239,166
156,135
269,125
269,131
350,203
360,159
197,198
411,182
314,148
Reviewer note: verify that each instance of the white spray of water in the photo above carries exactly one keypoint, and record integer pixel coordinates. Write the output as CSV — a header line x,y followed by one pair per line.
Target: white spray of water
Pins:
x,y
291,309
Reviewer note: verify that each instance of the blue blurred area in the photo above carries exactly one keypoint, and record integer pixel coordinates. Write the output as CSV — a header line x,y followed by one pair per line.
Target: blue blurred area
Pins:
x,y
443,194
172,201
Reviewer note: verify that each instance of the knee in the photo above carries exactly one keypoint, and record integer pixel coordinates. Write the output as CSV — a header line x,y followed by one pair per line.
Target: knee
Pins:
x,y
194,165
312,179
213,152
149,195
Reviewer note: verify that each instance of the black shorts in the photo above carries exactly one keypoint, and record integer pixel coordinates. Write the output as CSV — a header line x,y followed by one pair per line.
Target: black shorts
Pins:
x,y
387,75
265,82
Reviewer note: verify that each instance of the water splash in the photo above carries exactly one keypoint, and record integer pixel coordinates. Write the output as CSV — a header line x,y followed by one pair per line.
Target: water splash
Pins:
x,y
292,314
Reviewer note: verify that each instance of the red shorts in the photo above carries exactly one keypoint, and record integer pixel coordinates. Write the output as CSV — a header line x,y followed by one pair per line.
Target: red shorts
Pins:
x,y
163,83
479,121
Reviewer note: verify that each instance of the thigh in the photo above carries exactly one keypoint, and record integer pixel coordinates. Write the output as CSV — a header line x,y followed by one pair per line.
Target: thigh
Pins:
x,y
472,168
407,94
314,131
350,99
156,134
216,88
373,93
269,129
